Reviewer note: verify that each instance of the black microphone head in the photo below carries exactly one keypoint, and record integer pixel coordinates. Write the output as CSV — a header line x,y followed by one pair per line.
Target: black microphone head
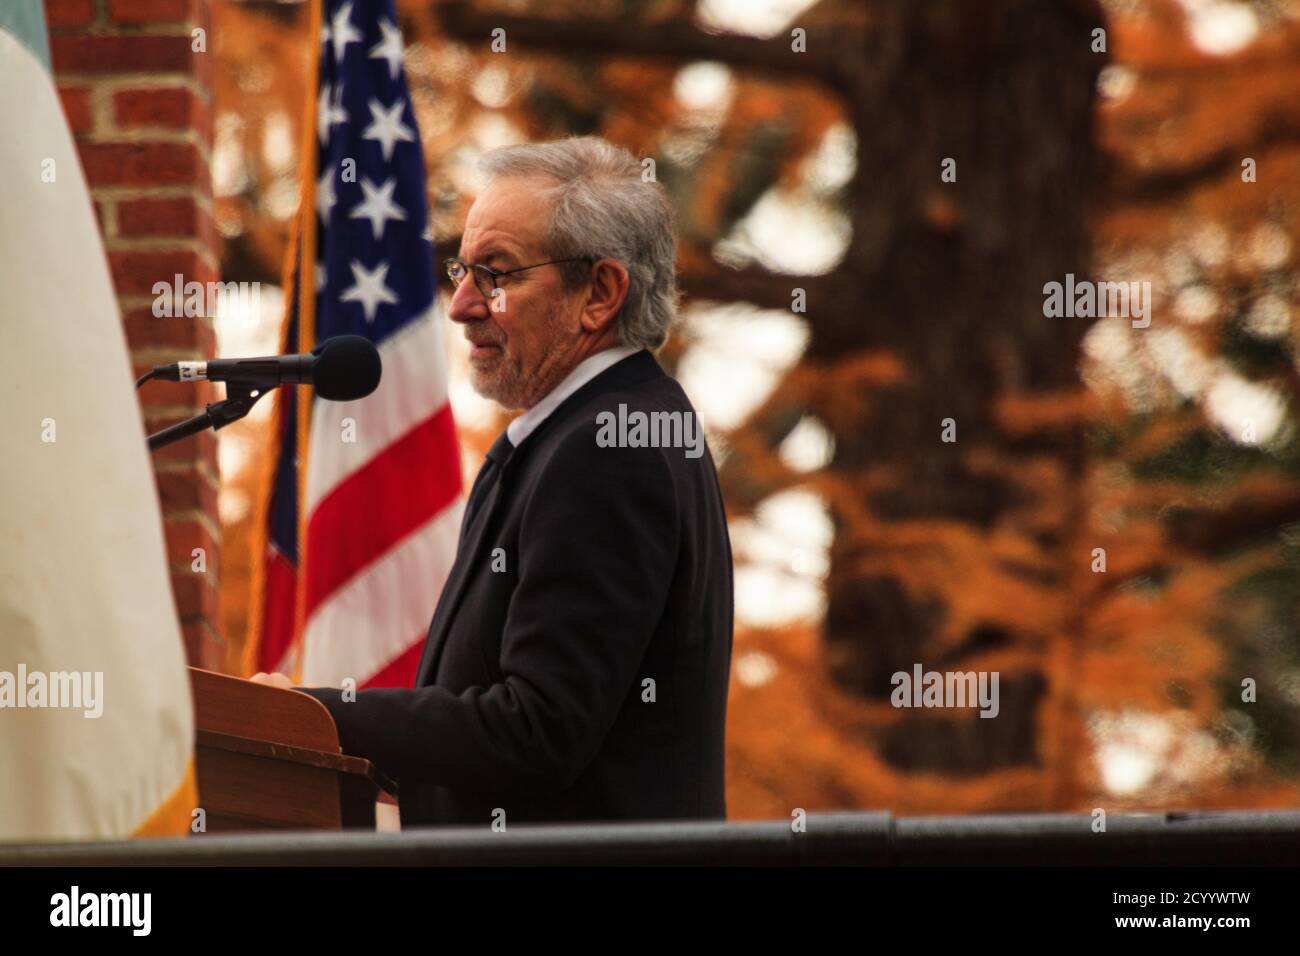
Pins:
x,y
347,368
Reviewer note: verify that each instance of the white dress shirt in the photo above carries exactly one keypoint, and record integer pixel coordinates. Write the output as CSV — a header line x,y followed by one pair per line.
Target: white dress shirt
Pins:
x,y
582,373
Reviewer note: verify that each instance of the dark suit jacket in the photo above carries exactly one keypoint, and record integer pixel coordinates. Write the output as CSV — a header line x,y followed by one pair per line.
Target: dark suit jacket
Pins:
x,y
534,692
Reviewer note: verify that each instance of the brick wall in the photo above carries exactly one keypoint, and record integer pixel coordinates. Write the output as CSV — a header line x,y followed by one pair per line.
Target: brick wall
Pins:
x,y
136,83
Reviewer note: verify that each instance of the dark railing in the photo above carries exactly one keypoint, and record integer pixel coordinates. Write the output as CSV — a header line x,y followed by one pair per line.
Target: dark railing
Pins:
x,y
878,839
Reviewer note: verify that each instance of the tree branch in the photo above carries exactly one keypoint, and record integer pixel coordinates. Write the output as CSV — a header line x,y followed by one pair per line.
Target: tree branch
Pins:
x,y
832,51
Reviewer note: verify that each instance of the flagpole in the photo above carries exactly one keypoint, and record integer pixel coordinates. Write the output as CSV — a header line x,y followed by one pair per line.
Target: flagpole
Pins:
x,y
294,280
259,538
306,319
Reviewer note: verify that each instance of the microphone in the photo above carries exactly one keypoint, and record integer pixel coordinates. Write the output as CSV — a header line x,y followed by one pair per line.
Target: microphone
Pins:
x,y
343,369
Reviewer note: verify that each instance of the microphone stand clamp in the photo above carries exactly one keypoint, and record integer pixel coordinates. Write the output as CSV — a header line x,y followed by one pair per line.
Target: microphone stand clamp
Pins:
x,y
239,400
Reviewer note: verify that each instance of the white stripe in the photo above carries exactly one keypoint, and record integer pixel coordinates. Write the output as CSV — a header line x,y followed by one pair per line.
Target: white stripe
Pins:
x,y
286,663
413,386
381,611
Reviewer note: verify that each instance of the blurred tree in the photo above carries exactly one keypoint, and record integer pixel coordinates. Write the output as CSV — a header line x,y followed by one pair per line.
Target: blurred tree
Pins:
x,y
978,553
1195,473
1006,91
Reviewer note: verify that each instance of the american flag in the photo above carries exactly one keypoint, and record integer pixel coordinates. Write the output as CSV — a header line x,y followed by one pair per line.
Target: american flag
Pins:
x,y
359,546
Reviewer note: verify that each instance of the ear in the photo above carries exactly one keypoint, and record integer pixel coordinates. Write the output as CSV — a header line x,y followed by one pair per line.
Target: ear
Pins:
x,y
606,295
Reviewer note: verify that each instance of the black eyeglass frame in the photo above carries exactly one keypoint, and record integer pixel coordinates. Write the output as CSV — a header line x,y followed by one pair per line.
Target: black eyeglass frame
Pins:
x,y
494,274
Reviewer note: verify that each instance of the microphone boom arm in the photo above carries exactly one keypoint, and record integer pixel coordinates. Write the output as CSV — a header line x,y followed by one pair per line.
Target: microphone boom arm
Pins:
x,y
239,400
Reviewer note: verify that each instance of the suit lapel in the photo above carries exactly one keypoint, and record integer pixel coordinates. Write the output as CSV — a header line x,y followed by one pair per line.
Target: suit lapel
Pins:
x,y
467,557
634,368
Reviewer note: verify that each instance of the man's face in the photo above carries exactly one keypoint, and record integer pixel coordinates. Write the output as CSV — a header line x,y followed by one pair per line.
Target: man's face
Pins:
x,y
524,339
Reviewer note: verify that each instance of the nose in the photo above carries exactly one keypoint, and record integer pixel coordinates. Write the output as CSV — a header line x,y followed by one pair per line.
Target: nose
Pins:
x,y
467,304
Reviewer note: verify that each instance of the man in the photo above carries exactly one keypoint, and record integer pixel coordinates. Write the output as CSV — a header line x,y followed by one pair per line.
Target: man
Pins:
x,y
576,667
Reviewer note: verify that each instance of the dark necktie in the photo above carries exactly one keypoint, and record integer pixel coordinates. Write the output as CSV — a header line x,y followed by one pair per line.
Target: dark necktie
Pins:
x,y
487,478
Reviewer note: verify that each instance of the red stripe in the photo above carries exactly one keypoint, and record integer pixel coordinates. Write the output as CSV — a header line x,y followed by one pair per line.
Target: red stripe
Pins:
x,y
400,672
281,591
397,492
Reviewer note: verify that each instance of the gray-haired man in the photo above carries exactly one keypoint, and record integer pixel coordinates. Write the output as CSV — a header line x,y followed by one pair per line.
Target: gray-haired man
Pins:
x,y
576,667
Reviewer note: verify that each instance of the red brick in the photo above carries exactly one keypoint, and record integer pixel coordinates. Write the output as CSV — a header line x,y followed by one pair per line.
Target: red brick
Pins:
x,y
143,164
180,490
196,595
69,13
183,536
203,648
76,106
146,330
151,11
180,217
203,68
122,54
170,107
207,232
135,273
188,490
158,217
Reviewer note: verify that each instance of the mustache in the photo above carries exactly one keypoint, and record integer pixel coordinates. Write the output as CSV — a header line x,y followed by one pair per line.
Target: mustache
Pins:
x,y
482,339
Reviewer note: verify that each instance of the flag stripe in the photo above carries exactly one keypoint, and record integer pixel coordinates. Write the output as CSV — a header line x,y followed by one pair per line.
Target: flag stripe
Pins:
x,y
412,384
365,515
401,671
281,589
390,602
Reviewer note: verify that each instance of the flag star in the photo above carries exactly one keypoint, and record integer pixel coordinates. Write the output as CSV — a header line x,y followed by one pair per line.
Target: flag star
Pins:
x,y
390,47
329,110
343,31
427,235
321,276
378,205
325,196
387,128
369,288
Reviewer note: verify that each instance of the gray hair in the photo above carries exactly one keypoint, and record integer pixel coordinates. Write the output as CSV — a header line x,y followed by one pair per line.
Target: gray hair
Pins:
x,y
601,207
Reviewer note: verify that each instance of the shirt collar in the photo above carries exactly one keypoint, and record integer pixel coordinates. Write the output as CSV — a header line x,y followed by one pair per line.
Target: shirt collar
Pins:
x,y
582,373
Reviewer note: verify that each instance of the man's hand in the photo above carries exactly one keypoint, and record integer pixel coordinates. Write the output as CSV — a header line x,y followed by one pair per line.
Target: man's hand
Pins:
x,y
272,680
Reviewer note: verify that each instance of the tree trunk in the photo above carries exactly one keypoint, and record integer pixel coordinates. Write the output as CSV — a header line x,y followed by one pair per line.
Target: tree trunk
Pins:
x,y
952,277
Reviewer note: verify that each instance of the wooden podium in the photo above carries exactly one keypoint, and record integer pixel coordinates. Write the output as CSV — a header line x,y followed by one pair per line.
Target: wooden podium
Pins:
x,y
269,759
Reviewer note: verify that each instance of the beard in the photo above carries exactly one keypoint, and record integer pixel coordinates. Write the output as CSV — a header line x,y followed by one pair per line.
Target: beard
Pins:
x,y
515,381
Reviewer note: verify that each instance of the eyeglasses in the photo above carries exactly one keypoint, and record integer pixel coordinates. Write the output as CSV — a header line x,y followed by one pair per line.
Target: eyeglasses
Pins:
x,y
485,277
